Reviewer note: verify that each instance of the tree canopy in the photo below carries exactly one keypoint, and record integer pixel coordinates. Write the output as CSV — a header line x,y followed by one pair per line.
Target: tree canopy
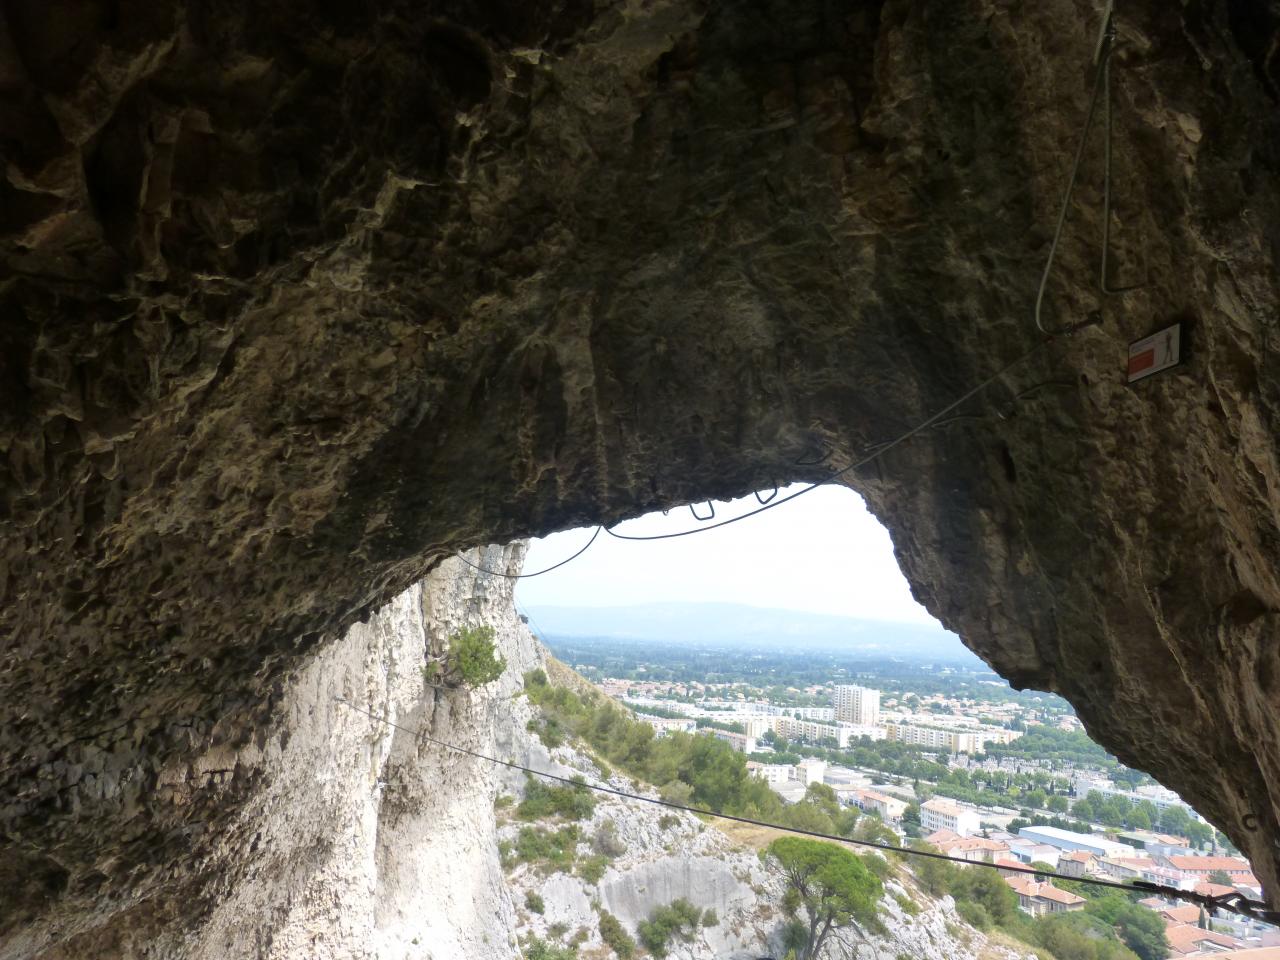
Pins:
x,y
1140,929
833,886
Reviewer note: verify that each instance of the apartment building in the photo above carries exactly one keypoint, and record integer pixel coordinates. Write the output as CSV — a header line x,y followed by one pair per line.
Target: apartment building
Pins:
x,y
1199,868
814,731
857,705
1161,797
810,770
953,741
940,813
770,773
664,725
741,742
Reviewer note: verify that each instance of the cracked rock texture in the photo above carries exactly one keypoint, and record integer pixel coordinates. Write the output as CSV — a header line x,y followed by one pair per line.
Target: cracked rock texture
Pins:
x,y
299,299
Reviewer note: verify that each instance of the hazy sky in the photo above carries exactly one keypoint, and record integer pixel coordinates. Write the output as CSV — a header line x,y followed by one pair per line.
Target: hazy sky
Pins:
x,y
822,552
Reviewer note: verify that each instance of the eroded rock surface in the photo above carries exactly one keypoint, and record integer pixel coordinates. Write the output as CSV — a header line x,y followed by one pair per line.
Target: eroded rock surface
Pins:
x,y
298,300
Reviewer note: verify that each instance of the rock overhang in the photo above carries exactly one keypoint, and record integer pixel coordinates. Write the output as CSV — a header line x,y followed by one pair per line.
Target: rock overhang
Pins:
x,y
300,301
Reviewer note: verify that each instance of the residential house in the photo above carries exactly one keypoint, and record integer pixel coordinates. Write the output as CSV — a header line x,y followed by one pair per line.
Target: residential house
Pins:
x,y
973,849
1183,913
1039,899
1213,889
1076,863
889,808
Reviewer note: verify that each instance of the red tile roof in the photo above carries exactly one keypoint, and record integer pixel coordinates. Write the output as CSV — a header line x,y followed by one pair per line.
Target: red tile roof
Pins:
x,y
1049,892
1209,864
1186,938
1213,889
971,843
1187,913
1025,886
1250,953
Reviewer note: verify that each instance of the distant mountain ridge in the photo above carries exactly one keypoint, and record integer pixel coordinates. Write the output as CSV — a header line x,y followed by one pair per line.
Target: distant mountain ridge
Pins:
x,y
744,626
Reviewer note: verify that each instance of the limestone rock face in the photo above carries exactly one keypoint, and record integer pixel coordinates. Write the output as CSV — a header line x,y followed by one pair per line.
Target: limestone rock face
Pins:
x,y
299,299
332,834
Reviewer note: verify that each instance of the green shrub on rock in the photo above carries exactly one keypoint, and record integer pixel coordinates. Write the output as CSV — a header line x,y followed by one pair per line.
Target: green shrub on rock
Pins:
x,y
469,660
617,939
680,918
572,802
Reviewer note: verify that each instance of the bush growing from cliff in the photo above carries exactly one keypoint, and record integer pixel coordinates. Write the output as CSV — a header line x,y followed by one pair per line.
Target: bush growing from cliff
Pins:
x,y
469,660
909,906
538,949
974,914
606,842
534,902
542,800
554,850
615,937
679,918
592,868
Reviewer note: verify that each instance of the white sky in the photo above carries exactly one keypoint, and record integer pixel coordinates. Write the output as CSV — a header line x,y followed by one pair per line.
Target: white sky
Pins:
x,y
822,552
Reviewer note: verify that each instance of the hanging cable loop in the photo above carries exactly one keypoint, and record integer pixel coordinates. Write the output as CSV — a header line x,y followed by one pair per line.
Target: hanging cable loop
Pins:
x,y
710,516
764,500
1104,281
538,573
1101,91
823,456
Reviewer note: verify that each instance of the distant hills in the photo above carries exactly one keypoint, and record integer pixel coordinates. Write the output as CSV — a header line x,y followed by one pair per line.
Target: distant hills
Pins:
x,y
738,625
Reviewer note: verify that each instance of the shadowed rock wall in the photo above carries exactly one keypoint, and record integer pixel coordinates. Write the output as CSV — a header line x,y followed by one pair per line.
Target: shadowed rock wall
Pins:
x,y
299,299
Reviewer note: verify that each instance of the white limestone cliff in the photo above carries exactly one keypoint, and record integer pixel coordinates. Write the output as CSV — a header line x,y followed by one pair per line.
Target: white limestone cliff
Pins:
x,y
369,840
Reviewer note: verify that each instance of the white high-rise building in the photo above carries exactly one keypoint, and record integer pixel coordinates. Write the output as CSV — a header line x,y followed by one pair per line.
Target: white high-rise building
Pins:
x,y
857,705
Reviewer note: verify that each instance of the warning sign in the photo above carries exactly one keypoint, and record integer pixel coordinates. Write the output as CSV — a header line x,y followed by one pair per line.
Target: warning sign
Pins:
x,y
1160,351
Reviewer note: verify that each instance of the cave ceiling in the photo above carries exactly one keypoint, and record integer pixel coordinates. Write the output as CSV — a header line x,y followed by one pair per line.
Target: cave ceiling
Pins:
x,y
298,299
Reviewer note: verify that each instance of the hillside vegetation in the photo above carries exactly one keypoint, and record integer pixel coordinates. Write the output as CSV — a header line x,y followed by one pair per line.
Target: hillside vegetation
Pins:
x,y
693,769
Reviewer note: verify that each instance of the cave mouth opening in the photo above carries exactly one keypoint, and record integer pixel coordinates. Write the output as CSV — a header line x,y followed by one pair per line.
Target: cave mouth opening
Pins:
x,y
816,580
823,552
